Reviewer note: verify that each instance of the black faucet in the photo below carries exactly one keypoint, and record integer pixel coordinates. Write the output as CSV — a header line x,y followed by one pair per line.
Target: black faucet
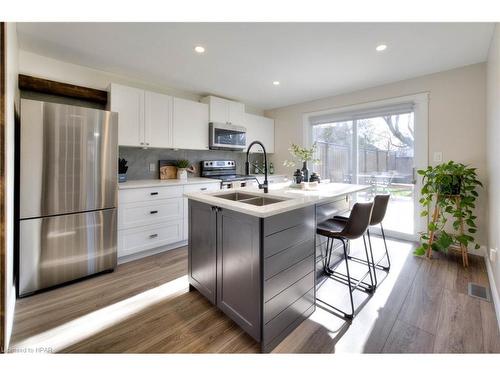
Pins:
x,y
265,185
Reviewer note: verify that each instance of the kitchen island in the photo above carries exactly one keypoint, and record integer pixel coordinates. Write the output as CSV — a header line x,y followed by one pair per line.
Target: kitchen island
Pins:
x,y
256,256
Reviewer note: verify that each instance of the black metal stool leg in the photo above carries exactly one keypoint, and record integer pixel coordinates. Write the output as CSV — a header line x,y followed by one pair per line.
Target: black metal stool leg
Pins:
x,y
371,288
371,256
349,284
348,316
386,251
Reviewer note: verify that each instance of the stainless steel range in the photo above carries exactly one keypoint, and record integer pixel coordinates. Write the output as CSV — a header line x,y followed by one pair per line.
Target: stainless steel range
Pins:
x,y
224,170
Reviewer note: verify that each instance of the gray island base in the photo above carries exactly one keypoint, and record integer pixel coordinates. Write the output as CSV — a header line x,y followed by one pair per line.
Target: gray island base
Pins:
x,y
261,267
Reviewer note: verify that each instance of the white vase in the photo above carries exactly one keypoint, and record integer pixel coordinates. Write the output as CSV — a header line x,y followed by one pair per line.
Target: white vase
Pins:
x,y
182,174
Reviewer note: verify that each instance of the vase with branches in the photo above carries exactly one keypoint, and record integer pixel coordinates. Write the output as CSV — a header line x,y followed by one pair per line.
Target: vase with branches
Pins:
x,y
302,155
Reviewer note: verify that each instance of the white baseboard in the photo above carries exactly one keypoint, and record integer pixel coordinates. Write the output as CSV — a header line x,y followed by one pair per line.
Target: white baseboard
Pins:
x,y
480,252
493,289
9,316
150,252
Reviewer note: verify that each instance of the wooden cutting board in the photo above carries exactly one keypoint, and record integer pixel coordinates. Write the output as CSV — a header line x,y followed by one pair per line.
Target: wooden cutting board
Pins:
x,y
168,170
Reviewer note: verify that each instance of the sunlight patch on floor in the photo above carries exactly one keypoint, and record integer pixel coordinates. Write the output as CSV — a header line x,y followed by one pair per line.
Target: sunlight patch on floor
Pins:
x,y
354,340
79,329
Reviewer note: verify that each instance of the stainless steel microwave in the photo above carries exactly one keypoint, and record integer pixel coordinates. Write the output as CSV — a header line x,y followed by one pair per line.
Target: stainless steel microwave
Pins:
x,y
227,137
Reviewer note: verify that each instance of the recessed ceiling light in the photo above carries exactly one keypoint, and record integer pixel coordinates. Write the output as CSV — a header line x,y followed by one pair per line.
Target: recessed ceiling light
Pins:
x,y
276,83
381,47
199,49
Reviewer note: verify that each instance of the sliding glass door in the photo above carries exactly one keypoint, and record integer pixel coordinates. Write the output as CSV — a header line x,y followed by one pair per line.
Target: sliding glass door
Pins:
x,y
376,148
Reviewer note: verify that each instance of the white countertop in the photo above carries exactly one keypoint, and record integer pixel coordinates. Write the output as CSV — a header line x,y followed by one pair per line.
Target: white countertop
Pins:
x,y
294,198
135,184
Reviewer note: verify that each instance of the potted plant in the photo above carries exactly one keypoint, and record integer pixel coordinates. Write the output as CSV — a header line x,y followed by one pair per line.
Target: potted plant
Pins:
x,y
304,155
182,165
122,170
443,184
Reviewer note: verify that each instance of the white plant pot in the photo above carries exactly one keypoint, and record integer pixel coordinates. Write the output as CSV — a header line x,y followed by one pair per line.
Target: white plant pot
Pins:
x,y
182,174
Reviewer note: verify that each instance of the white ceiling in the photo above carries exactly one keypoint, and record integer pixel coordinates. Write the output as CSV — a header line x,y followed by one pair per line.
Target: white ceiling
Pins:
x,y
311,60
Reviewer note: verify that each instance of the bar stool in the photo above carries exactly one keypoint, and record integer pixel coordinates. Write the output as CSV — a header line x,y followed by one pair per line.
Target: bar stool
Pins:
x,y
345,230
380,203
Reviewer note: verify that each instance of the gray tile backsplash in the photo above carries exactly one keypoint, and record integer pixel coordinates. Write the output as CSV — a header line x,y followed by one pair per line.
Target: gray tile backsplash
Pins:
x,y
139,159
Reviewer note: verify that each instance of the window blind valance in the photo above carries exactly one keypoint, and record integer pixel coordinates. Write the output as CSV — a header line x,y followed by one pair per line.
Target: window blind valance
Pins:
x,y
395,109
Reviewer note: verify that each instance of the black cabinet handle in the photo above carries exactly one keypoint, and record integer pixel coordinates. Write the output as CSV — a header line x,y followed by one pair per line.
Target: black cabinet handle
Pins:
x,y
153,235
203,188
154,193
153,212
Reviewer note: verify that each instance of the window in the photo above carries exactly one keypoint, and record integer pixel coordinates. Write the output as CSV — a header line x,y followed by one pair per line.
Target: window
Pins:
x,y
373,148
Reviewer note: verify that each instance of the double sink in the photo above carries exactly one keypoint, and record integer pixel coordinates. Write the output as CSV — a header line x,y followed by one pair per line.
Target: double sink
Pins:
x,y
255,200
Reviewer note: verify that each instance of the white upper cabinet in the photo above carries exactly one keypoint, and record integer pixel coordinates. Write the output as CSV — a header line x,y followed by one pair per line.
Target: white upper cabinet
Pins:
x,y
225,111
158,120
129,103
260,129
190,125
144,117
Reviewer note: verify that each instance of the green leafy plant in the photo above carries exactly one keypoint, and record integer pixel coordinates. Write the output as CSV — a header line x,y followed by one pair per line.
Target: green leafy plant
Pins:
x,y
301,154
182,164
441,185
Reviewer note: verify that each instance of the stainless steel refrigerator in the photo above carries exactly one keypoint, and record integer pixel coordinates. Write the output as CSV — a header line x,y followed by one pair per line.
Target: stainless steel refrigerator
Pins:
x,y
67,193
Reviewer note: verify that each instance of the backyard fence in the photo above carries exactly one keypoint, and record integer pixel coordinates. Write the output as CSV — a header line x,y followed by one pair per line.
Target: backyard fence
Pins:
x,y
337,162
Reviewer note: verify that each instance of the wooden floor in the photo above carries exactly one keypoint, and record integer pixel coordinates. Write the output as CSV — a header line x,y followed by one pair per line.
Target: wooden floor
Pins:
x,y
421,306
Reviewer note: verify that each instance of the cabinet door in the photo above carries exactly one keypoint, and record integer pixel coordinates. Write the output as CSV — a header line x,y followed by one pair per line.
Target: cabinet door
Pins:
x,y
129,103
158,120
238,269
202,253
219,110
190,125
236,113
198,188
267,128
260,129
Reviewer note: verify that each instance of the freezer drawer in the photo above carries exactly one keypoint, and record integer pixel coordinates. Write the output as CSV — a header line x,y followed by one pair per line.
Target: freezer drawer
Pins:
x,y
57,249
68,159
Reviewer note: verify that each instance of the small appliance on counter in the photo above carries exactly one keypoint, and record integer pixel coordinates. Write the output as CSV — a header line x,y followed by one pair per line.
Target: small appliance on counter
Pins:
x,y
224,170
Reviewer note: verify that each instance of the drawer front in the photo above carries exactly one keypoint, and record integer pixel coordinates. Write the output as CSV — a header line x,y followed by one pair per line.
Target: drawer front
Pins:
x,y
288,316
131,241
149,194
284,279
211,186
289,219
139,214
288,257
280,241
328,210
287,297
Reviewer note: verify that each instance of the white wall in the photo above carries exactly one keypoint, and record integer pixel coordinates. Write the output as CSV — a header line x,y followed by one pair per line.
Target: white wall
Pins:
x,y
492,147
57,70
457,119
12,101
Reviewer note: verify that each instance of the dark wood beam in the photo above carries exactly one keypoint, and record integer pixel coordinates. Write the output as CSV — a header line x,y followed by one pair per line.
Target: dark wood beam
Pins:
x,y
29,83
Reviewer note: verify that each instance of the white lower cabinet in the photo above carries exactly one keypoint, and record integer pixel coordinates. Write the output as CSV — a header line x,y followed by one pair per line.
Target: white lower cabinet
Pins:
x,y
148,218
154,216
147,213
135,240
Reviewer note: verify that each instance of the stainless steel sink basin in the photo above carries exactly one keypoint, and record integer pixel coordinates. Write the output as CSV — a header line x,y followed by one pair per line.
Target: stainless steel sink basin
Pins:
x,y
255,200
236,196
